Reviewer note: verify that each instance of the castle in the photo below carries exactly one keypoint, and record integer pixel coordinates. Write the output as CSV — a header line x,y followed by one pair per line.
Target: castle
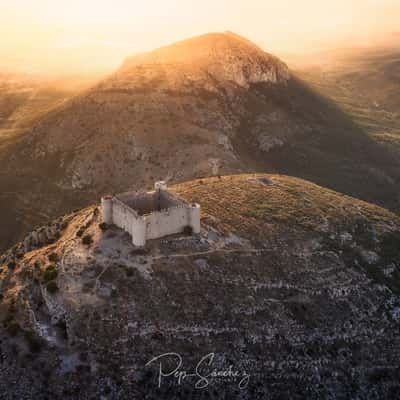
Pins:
x,y
150,215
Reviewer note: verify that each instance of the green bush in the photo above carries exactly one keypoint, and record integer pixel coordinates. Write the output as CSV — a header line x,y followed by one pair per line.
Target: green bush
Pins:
x,y
391,246
50,274
64,225
53,257
11,265
34,343
80,232
13,328
26,273
52,287
87,239
103,226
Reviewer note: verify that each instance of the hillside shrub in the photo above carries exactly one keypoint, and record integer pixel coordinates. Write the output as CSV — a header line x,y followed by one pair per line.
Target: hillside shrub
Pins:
x,y
391,246
34,343
80,232
50,274
26,273
87,239
13,328
52,287
103,226
53,257
11,265
64,225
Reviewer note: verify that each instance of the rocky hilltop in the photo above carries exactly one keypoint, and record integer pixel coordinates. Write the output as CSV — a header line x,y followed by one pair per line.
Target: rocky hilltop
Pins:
x,y
226,57
211,105
295,286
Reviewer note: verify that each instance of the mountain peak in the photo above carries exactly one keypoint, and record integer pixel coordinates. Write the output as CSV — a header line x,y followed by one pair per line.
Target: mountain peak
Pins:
x,y
226,56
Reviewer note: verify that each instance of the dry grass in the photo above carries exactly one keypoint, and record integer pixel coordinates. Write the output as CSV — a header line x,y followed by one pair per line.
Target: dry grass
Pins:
x,y
244,204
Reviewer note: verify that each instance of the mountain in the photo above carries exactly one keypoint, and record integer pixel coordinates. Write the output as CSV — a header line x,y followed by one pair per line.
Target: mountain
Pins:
x,y
293,285
210,105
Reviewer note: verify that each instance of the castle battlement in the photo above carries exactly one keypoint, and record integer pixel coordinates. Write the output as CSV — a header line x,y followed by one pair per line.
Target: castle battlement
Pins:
x,y
150,215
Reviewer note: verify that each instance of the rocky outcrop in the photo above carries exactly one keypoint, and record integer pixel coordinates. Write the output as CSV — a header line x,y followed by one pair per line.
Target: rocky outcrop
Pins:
x,y
35,239
267,142
226,57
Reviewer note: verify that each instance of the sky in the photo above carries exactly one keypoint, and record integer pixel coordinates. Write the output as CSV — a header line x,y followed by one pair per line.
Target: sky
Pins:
x,y
53,36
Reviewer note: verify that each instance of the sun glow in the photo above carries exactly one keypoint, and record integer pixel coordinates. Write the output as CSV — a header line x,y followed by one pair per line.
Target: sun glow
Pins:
x,y
51,35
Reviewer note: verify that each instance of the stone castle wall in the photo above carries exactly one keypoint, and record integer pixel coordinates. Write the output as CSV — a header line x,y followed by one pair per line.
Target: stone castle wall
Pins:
x,y
167,222
118,211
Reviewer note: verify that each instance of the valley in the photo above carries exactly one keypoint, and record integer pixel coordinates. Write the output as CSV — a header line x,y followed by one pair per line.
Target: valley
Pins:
x,y
365,84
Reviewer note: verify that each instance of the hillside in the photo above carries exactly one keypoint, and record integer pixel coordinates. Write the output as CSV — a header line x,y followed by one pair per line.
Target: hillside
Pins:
x,y
292,283
210,105
365,84
24,98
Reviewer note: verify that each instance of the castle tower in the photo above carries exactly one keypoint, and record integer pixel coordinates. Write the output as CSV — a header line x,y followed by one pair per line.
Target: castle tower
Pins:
x,y
194,217
139,232
107,209
160,185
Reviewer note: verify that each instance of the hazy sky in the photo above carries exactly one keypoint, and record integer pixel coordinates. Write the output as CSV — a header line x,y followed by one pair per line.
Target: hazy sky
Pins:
x,y
50,35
